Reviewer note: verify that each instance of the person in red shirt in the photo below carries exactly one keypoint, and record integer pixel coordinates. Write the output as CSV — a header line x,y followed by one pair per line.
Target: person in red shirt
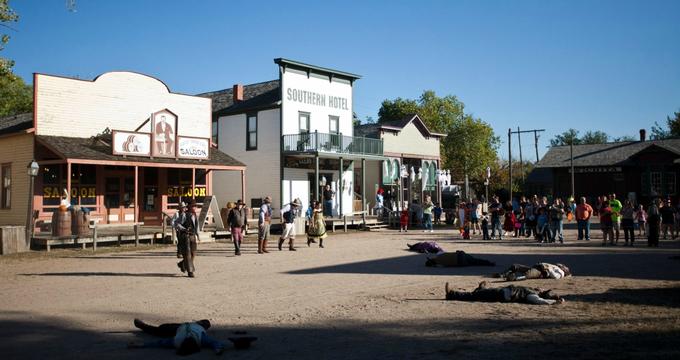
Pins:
x,y
606,223
583,214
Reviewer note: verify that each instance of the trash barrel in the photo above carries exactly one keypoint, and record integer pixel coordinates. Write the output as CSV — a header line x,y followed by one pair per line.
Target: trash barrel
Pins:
x,y
80,223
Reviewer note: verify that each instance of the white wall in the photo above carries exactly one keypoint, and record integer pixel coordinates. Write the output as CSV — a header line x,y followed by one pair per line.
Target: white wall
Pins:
x,y
292,80
116,100
410,141
263,164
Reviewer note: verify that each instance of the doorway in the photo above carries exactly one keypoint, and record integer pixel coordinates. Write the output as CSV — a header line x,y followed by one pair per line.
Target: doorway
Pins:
x,y
119,197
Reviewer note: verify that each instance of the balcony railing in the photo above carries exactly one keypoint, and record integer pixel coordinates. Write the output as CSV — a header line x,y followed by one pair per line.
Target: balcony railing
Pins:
x,y
332,143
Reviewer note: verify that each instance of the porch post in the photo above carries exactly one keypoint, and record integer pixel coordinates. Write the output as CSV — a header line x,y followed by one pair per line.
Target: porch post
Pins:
x,y
316,177
363,184
193,182
68,181
340,183
439,185
243,186
136,194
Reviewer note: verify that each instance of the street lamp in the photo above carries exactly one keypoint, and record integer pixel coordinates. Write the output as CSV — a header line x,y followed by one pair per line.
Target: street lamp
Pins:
x,y
33,169
486,183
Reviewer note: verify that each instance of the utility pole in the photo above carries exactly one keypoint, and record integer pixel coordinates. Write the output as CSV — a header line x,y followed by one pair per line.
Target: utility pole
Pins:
x,y
571,160
510,163
536,142
521,163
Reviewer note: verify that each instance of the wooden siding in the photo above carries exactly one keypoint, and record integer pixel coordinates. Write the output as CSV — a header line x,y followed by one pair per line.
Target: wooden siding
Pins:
x,y
410,141
18,151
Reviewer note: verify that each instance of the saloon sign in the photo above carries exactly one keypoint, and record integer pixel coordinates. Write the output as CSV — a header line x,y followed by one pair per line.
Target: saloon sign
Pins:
x,y
163,141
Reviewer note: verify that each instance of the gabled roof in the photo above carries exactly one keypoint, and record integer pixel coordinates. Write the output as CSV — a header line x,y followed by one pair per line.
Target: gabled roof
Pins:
x,y
16,123
326,71
372,130
255,96
607,154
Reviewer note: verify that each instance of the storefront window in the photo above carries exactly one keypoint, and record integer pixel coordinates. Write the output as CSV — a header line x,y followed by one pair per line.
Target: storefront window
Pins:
x,y
84,185
6,178
179,185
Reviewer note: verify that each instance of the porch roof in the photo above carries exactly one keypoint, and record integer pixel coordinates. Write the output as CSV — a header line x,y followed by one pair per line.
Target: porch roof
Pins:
x,y
96,151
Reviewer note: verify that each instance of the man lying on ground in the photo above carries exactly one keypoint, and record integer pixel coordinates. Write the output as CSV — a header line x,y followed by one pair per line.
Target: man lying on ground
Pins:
x,y
456,259
518,272
429,247
186,338
511,293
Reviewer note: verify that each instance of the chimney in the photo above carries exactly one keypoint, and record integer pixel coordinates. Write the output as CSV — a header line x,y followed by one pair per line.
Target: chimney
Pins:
x,y
238,93
643,135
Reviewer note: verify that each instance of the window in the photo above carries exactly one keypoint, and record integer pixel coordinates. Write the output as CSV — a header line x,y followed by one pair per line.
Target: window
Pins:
x,y
215,129
670,183
656,183
334,130
149,201
6,195
83,186
251,132
304,122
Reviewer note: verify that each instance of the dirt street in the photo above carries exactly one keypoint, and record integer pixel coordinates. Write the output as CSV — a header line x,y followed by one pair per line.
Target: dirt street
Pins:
x,y
362,297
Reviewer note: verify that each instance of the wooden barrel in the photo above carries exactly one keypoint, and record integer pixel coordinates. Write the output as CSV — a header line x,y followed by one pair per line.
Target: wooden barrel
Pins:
x,y
61,223
80,223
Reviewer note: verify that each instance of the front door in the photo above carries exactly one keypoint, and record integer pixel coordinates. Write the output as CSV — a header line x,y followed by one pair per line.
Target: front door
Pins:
x,y
119,197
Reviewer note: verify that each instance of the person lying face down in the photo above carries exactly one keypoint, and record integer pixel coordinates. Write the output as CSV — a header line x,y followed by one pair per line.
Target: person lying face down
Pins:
x,y
518,272
510,293
456,259
430,247
186,338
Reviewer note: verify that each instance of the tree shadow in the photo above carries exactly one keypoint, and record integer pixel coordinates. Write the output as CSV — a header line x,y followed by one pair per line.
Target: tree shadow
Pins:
x,y
665,297
26,336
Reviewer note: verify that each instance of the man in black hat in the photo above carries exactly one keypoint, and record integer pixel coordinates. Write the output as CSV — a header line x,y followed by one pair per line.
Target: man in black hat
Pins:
x,y
264,222
237,221
188,236
511,293
178,219
288,215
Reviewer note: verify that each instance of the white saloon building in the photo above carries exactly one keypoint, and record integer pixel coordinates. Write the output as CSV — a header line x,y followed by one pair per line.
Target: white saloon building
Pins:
x,y
295,135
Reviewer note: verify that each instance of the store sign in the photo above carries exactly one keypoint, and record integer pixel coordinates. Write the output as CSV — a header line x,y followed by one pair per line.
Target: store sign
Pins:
x,y
308,163
193,148
314,98
164,131
186,191
131,143
598,169
53,192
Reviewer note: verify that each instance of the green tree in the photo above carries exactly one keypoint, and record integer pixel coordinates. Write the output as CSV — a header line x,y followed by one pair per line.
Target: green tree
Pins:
x,y
672,128
470,145
625,138
568,137
7,16
15,96
594,137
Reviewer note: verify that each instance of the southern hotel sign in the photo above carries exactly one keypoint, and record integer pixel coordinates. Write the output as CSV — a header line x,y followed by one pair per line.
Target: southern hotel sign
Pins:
x,y
314,98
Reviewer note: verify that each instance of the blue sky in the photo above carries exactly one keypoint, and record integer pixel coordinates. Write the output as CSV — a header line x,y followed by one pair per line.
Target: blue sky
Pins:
x,y
591,65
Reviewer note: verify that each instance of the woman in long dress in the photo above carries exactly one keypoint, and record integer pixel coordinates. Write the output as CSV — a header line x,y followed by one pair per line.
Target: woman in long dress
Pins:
x,y
317,228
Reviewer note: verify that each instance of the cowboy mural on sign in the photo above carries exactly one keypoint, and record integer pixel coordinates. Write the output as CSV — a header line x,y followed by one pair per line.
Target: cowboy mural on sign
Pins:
x,y
164,128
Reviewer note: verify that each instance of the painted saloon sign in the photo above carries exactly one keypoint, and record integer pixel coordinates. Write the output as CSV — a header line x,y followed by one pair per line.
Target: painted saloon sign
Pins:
x,y
162,141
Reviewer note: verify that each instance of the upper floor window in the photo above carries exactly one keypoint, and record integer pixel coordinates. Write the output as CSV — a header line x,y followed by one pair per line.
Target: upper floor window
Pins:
x,y
251,132
6,178
334,124
304,122
214,131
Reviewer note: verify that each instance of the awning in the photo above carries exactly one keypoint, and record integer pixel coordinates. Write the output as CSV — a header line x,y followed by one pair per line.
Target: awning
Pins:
x,y
96,151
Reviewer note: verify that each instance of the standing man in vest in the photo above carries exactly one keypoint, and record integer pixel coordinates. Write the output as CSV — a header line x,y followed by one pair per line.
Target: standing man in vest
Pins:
x,y
264,222
288,214
188,237
237,221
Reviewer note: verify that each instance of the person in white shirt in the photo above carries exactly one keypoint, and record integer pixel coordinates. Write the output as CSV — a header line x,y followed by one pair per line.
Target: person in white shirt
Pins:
x,y
518,272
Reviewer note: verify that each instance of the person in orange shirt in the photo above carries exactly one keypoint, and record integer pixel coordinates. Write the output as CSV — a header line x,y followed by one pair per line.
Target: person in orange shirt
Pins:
x,y
583,214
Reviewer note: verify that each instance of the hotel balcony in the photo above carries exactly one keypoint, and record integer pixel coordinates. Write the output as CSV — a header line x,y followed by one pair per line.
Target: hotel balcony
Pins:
x,y
331,144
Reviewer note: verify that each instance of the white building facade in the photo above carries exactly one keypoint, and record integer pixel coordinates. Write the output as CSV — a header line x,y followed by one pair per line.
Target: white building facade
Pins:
x,y
295,135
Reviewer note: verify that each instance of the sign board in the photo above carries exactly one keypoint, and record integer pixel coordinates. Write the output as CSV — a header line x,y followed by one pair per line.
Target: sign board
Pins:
x,y
193,148
131,143
164,133
210,204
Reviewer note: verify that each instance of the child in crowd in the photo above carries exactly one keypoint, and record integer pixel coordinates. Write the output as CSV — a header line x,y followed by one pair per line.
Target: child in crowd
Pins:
x,y
403,220
485,226
641,220
542,226
437,214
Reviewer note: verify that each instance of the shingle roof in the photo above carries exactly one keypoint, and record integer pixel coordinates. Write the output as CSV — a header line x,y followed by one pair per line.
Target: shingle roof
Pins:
x,y
372,130
607,154
255,96
16,123
94,149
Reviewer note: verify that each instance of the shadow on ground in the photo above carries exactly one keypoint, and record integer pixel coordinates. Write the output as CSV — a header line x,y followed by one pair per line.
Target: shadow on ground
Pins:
x,y
616,264
29,337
